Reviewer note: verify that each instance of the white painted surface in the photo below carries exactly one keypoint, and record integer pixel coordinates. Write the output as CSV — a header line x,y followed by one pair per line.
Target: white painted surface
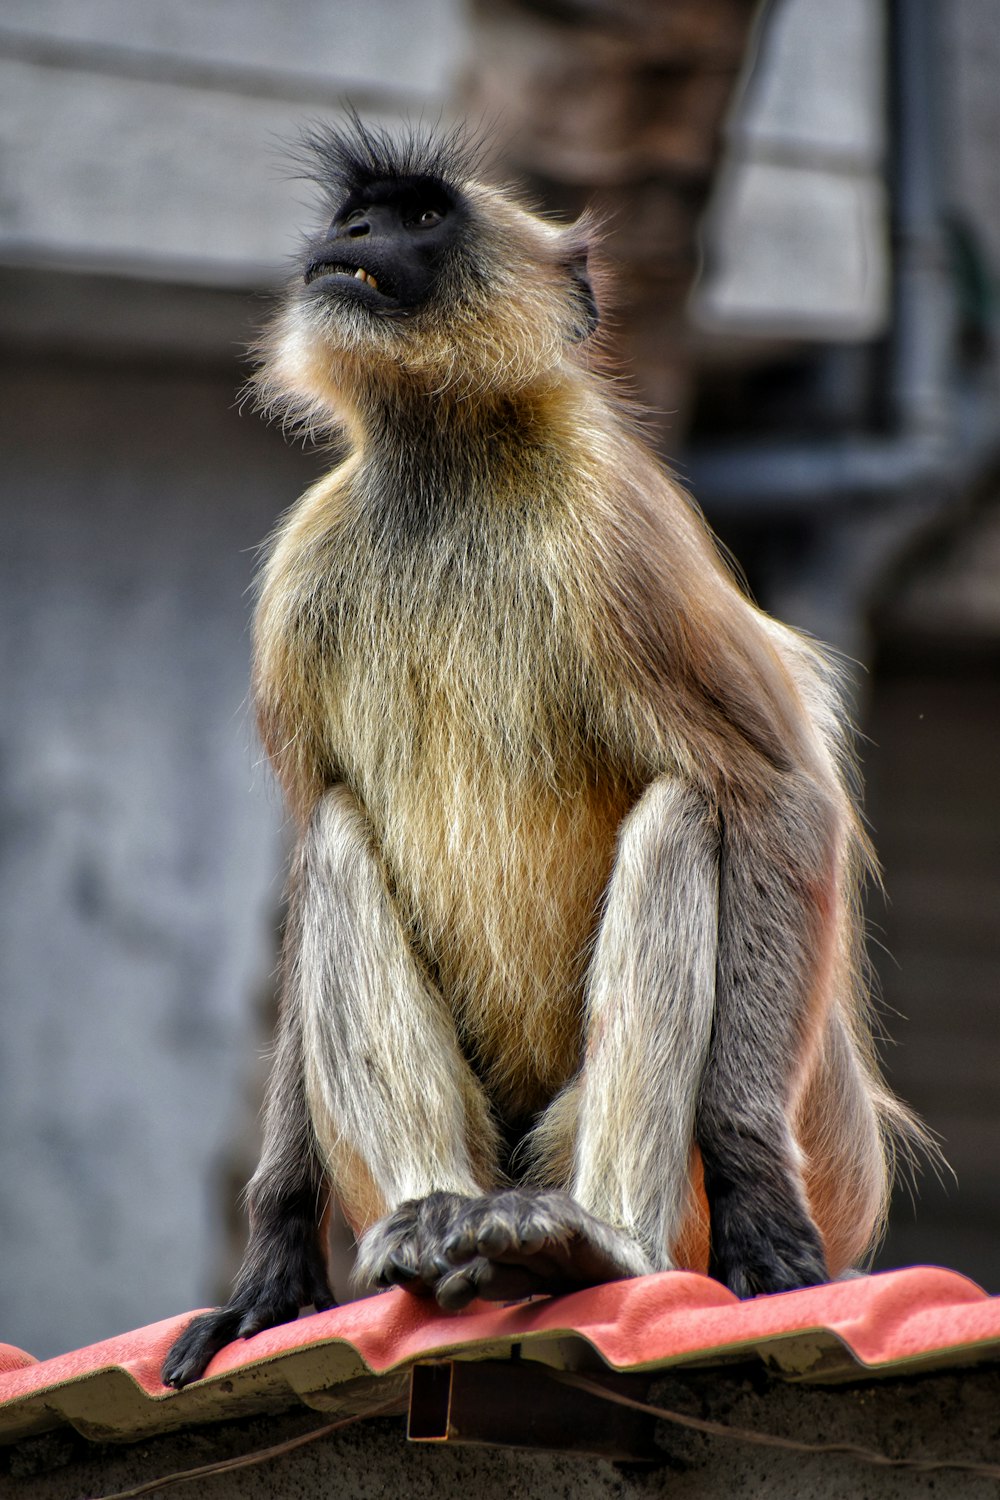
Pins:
x,y
141,863
407,47
796,235
152,139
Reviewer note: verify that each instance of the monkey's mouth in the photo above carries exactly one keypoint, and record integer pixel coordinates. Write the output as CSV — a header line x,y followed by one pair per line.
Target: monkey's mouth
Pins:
x,y
354,280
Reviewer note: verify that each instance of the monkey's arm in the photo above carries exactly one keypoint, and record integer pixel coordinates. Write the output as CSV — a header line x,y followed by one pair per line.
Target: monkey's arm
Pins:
x,y
650,998
368,1079
396,1107
780,914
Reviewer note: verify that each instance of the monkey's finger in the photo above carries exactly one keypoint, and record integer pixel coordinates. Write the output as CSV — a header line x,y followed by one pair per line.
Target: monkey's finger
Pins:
x,y
500,1237
497,1236
492,1281
461,1286
399,1270
503,1228
433,1266
461,1246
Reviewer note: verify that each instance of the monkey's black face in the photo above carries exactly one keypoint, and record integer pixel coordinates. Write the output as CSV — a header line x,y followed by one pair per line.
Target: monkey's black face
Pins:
x,y
387,245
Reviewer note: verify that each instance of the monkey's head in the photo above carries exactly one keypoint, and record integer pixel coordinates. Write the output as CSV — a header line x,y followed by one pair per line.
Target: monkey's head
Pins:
x,y
425,278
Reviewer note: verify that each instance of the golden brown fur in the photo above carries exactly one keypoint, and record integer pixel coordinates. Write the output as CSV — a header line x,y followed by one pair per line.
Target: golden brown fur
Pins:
x,y
573,810
612,620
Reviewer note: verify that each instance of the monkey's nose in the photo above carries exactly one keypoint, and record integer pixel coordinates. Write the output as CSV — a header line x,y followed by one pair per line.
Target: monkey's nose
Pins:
x,y
356,231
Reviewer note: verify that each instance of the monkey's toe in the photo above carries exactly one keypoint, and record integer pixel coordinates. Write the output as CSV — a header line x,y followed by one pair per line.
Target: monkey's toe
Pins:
x,y
264,1305
201,1340
206,1335
266,1315
762,1274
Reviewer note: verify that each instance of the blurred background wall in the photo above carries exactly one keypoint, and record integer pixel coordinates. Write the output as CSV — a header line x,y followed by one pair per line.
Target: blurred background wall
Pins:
x,y
828,388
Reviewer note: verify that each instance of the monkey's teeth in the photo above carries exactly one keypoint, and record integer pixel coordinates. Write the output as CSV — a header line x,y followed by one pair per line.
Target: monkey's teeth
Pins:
x,y
362,275
372,282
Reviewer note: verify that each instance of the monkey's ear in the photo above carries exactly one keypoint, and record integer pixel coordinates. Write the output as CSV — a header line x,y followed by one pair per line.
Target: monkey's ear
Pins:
x,y
588,316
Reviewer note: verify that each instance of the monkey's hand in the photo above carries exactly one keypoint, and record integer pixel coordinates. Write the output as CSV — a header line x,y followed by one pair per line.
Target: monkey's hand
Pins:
x,y
523,1241
501,1247
260,1300
406,1248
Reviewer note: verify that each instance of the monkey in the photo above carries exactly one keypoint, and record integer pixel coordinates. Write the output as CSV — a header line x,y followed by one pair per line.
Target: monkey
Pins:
x,y
573,986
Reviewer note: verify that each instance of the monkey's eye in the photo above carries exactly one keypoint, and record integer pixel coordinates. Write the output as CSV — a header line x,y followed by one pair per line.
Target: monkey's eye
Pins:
x,y
426,218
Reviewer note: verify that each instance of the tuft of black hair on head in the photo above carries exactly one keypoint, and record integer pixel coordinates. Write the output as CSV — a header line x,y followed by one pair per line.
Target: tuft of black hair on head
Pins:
x,y
346,158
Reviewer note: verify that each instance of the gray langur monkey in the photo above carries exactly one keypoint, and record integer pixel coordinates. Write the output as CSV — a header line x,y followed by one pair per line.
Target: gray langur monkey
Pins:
x,y
573,983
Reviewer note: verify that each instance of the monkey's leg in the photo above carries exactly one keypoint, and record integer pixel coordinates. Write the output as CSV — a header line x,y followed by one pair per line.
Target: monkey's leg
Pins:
x,y
283,1269
779,949
368,1088
622,1134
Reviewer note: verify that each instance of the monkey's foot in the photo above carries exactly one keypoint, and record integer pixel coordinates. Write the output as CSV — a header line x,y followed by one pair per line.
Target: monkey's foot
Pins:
x,y
524,1241
755,1253
273,1299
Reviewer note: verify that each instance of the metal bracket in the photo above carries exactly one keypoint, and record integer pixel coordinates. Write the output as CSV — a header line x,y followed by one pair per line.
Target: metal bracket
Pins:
x,y
513,1404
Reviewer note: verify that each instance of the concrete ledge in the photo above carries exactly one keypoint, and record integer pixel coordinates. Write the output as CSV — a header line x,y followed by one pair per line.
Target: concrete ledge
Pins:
x,y
934,1418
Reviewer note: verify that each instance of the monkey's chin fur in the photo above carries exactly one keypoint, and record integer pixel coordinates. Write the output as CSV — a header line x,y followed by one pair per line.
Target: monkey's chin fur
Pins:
x,y
504,328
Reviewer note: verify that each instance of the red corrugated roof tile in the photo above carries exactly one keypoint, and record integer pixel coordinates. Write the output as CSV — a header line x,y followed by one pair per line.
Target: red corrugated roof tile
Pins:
x,y
921,1318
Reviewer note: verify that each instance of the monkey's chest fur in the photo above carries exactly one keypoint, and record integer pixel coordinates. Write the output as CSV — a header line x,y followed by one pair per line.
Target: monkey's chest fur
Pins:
x,y
459,704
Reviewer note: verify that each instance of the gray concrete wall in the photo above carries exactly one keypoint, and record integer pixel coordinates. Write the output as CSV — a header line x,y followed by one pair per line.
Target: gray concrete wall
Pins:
x,y
140,873
949,1416
971,67
796,241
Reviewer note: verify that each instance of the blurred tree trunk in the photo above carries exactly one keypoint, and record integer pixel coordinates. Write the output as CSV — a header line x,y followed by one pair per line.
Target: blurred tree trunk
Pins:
x,y
619,103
